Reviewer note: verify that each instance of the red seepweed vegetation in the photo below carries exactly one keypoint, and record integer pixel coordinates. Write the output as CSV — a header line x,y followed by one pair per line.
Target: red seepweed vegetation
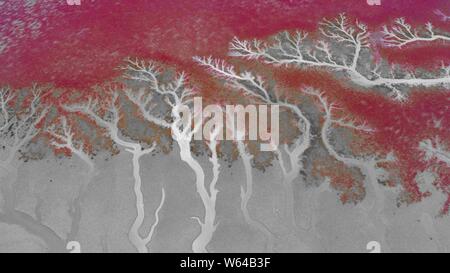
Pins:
x,y
82,50
398,127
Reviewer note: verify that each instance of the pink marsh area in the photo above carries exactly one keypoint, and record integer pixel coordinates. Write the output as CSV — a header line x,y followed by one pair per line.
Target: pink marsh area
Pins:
x,y
76,47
